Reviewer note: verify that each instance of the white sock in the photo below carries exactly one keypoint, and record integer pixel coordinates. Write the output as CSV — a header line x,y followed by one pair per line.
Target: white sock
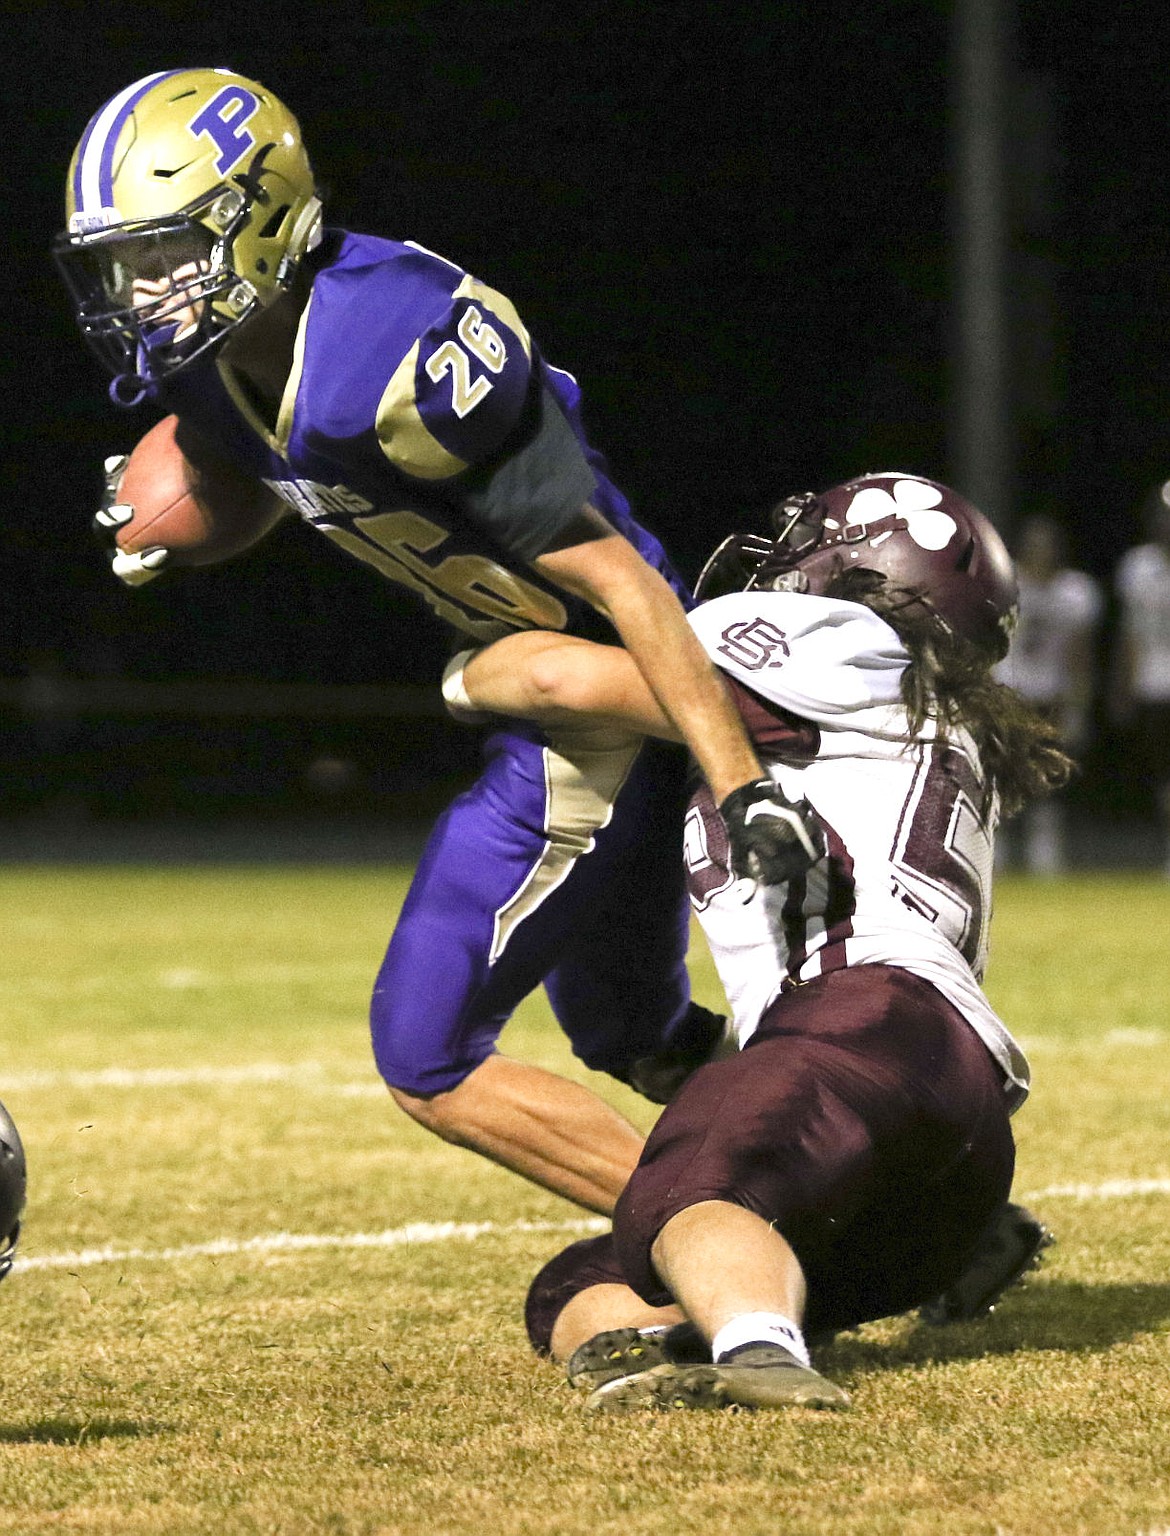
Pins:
x,y
760,1328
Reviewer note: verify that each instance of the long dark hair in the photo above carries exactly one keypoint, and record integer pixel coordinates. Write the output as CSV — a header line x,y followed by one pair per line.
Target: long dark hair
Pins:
x,y
950,681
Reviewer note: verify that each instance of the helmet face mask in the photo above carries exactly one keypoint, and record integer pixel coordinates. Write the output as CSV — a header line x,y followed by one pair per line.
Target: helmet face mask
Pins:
x,y
921,538
190,205
149,298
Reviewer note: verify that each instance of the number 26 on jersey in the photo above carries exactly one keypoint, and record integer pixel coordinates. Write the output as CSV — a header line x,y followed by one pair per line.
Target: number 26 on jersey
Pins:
x,y
482,342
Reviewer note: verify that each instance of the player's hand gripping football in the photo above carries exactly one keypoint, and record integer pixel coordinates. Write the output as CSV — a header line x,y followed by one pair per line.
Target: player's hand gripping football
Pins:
x,y
112,514
772,839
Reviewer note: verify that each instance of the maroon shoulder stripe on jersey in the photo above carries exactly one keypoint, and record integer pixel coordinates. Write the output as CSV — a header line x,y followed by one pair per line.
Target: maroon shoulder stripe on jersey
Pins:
x,y
840,902
776,731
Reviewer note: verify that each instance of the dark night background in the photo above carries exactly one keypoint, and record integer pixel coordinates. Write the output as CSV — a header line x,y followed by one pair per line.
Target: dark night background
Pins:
x,y
731,221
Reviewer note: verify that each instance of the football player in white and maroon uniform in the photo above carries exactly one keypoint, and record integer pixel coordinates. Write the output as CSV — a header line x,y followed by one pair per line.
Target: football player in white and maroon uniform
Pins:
x,y
845,1163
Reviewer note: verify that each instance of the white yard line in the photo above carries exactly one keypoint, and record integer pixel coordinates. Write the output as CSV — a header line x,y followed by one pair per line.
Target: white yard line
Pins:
x,y
298,1242
1112,1189
306,1074
418,1232
316,1072
169,1077
1123,1039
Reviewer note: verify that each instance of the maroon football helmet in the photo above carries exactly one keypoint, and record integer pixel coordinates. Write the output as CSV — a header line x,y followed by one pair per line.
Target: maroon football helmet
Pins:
x,y
924,538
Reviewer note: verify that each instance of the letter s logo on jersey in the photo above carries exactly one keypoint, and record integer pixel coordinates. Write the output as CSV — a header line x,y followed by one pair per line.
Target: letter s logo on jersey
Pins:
x,y
754,644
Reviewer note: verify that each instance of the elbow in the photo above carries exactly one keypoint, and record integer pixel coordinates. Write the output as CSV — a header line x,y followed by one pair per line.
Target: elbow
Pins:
x,y
554,685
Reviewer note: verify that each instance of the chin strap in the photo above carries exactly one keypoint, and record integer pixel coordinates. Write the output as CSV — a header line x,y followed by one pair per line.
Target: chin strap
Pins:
x,y
306,236
128,389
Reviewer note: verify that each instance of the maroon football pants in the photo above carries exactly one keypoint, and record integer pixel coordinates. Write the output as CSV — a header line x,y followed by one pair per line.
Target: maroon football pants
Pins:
x,y
865,1120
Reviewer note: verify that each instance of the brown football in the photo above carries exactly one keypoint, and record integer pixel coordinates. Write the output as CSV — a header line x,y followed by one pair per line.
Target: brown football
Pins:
x,y
200,514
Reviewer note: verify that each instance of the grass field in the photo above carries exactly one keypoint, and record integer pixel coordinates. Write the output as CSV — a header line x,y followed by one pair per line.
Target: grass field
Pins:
x,y
254,1298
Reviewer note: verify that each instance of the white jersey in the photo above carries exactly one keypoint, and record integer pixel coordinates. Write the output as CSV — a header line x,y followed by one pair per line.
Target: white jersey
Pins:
x,y
1054,615
1143,585
909,822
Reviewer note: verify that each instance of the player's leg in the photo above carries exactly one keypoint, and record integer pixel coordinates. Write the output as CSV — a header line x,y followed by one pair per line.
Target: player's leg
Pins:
x,y
944,1183
580,1311
557,1133
1010,1245
863,1094
505,877
702,1221
721,1261
731,1268
620,989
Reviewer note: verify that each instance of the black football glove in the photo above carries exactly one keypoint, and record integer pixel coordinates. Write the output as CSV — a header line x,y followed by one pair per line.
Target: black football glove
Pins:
x,y
113,514
772,839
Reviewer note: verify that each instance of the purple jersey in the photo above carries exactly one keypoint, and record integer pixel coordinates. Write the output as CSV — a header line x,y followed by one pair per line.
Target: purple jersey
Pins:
x,y
422,431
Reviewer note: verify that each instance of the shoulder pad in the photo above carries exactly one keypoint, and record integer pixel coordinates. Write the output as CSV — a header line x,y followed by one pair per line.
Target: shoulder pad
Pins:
x,y
821,657
460,390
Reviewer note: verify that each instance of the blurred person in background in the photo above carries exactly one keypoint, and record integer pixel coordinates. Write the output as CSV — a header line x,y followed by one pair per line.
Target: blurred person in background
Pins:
x,y
1051,663
1140,696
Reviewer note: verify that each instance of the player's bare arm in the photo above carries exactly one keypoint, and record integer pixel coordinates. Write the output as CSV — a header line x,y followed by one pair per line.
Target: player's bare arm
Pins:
x,y
595,562
554,679
771,839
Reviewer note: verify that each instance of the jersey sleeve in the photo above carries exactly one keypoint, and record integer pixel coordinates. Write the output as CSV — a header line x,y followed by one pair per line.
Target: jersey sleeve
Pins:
x,y
460,390
469,404
775,731
825,660
537,488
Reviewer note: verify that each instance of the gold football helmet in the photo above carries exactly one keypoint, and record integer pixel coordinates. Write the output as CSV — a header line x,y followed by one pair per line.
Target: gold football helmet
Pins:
x,y
190,204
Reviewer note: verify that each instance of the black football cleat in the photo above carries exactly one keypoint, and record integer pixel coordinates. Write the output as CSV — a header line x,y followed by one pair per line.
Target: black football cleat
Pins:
x,y
628,1351
757,1376
702,1037
1013,1242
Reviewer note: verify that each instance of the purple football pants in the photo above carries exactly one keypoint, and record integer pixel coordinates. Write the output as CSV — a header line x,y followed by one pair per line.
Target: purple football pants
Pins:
x,y
562,865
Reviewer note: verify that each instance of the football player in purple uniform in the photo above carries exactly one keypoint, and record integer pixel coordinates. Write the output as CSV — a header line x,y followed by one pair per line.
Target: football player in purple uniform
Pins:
x,y
853,1159
399,406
